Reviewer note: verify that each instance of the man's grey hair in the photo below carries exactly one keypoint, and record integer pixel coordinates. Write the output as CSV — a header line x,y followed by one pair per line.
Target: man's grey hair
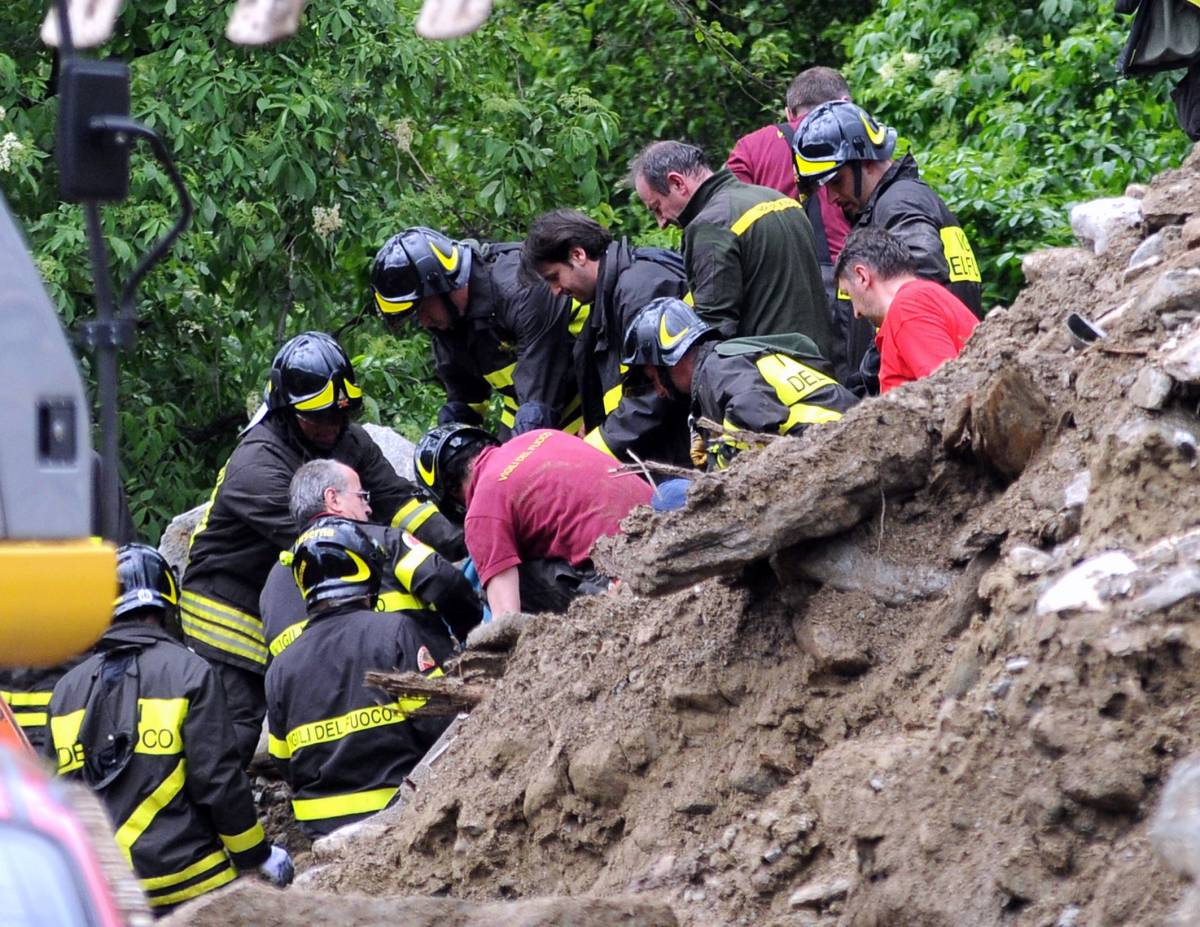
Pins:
x,y
658,159
813,87
306,494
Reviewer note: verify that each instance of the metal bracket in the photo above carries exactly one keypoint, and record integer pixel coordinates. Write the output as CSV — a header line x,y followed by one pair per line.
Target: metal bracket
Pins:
x,y
113,333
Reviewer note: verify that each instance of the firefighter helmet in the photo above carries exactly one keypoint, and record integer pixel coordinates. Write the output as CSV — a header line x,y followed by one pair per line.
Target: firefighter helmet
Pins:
x,y
335,559
311,373
437,452
834,134
144,580
418,262
662,332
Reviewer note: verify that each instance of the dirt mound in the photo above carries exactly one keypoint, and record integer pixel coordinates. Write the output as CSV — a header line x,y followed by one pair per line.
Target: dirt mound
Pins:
x,y
928,666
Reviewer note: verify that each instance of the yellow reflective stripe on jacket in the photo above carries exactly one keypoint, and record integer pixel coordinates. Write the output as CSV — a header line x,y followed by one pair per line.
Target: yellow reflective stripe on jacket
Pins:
x,y
572,416
64,732
246,840
203,523
479,407
612,398
596,439
160,726
413,514
30,718
224,877
959,256
336,806
794,382
757,211
400,602
277,748
216,858
359,719
285,638
21,699
804,414
409,563
502,377
222,626
579,316
144,814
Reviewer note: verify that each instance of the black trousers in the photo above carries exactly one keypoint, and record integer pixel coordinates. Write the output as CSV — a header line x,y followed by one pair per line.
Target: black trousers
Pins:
x,y
246,702
550,585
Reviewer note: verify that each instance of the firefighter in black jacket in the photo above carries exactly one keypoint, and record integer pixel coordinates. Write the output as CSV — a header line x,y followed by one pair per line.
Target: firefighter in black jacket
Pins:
x,y
310,399
343,748
841,147
774,384
577,256
416,578
491,330
143,723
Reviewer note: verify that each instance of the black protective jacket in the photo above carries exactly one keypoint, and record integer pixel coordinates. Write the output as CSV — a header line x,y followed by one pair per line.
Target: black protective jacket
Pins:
x,y
513,338
143,723
751,262
775,385
344,748
907,207
247,524
617,422
418,580
27,691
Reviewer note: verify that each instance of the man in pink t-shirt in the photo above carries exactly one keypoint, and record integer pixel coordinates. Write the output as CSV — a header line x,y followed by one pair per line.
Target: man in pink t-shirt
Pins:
x,y
921,323
534,507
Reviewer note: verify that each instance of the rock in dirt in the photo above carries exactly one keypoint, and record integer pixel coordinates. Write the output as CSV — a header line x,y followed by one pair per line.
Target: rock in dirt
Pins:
x,y
850,466
1173,290
396,448
178,535
820,894
1054,261
500,634
1151,389
599,773
1175,829
1009,420
249,902
1104,779
830,650
1173,195
844,565
1083,588
1097,222
1183,363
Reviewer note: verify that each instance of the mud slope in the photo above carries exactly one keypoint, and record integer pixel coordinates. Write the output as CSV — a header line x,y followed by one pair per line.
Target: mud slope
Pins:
x,y
850,685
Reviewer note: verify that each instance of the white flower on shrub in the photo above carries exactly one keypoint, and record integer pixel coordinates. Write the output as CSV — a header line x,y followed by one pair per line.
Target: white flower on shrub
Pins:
x,y
11,148
327,221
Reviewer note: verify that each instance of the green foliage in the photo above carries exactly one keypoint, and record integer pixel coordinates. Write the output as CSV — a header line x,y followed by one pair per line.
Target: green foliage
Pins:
x,y
1013,111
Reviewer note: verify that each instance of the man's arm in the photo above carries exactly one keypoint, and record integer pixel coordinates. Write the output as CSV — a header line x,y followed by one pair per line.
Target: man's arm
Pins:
x,y
714,273
466,389
924,345
255,490
504,592
539,321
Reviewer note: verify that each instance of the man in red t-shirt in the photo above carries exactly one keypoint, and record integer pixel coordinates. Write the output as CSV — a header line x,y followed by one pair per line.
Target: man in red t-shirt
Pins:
x,y
921,323
534,507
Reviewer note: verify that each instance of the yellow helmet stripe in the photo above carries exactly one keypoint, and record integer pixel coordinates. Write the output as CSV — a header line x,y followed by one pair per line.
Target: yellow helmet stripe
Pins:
x,y
876,133
426,475
812,168
352,391
448,261
393,306
322,400
665,338
362,574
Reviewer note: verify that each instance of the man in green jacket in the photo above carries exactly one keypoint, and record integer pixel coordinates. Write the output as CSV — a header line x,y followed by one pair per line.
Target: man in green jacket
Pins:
x,y
748,251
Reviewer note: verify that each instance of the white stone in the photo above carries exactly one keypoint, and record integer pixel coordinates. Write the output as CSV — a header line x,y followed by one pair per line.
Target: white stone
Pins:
x,y
1183,363
1076,493
820,894
1151,389
1095,223
1079,589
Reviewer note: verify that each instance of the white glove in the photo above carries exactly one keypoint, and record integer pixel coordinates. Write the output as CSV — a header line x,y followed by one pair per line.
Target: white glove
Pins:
x,y
278,868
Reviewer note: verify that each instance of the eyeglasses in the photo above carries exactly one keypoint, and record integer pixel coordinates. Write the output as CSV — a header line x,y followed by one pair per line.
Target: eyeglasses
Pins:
x,y
363,494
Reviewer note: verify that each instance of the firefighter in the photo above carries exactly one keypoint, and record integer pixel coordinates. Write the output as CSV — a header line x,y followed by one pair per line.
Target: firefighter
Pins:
x,y
839,146
577,256
310,399
749,252
775,385
533,506
491,329
143,723
344,748
416,578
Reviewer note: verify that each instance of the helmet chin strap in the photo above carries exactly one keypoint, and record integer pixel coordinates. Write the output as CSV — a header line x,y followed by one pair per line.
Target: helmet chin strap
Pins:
x,y
450,307
856,167
664,376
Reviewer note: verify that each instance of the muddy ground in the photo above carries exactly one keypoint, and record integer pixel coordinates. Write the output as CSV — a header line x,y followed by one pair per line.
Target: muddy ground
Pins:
x,y
849,684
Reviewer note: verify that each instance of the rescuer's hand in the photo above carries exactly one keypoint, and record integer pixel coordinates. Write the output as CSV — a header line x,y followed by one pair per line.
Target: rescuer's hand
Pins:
x,y
278,868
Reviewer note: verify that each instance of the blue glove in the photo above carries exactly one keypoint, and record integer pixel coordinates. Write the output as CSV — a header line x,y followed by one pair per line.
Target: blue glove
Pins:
x,y
278,868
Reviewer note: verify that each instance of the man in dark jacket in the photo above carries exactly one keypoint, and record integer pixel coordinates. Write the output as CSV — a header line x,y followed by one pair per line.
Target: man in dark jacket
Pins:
x,y
344,748
311,397
491,329
577,256
748,251
416,578
771,384
841,147
143,723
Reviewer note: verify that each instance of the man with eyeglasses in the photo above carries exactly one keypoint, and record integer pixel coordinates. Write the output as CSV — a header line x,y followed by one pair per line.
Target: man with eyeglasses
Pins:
x,y
311,398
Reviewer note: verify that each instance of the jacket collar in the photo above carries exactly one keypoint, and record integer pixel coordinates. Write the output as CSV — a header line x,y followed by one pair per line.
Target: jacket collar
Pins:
x,y
132,633
904,169
705,192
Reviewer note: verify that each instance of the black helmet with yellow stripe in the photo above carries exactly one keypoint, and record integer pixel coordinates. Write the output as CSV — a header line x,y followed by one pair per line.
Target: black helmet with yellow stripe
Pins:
x,y
311,373
334,560
144,580
834,134
661,333
418,262
439,458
